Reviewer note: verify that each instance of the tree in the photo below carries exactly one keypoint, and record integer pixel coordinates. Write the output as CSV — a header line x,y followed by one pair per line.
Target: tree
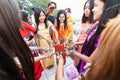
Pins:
x,y
28,4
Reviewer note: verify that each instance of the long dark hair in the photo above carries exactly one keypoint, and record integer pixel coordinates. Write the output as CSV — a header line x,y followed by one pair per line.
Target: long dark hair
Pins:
x,y
90,18
12,44
58,21
37,15
109,12
24,16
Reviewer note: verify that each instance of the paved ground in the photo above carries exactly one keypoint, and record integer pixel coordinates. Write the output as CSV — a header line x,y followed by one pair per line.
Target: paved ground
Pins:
x,y
49,74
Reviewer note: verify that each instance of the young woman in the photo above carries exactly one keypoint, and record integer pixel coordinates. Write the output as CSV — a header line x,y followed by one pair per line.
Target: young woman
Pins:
x,y
43,25
106,64
63,28
87,24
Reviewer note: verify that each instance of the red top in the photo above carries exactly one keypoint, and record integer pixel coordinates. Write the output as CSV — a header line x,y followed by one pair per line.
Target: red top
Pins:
x,y
25,32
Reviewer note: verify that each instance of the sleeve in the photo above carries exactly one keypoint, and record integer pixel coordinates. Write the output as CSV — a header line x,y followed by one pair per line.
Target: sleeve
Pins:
x,y
29,27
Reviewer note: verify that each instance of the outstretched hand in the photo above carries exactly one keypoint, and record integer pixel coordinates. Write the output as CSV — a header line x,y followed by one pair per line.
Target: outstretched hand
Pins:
x,y
87,65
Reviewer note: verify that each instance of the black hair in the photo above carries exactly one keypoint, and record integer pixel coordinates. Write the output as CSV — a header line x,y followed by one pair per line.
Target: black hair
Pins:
x,y
68,10
58,21
52,3
24,16
33,9
90,18
37,15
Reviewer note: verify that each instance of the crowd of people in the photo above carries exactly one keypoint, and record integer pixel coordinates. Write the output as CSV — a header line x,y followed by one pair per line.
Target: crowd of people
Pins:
x,y
28,43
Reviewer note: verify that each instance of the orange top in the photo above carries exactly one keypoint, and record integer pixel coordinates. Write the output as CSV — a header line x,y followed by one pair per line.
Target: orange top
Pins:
x,y
63,34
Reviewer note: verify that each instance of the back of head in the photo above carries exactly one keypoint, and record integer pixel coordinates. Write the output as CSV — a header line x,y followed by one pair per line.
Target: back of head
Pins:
x,y
106,65
12,44
24,16
68,10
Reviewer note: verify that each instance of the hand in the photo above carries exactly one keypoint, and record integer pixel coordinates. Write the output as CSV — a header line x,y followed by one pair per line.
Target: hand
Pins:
x,y
72,51
44,48
57,41
67,52
59,56
29,42
66,41
72,45
87,65
48,55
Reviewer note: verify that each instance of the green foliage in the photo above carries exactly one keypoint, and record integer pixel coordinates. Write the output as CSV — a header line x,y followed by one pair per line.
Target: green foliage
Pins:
x,y
28,4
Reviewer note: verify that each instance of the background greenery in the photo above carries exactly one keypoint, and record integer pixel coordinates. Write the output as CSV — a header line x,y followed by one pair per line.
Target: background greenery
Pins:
x,y
28,4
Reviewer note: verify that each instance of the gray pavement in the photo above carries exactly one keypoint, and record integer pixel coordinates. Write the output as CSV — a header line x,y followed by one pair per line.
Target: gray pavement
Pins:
x,y
49,74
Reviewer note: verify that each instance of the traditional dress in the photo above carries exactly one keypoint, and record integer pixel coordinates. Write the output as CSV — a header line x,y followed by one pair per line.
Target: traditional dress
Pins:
x,y
85,48
82,39
47,62
63,35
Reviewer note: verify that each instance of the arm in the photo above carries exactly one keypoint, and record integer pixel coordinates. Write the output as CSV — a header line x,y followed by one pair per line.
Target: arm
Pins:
x,y
29,27
93,55
44,37
60,70
55,31
79,43
33,48
81,56
40,57
41,35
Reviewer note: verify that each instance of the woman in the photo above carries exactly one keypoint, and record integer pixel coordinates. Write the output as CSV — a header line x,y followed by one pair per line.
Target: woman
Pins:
x,y
43,26
12,45
51,14
27,32
51,10
87,25
106,64
63,28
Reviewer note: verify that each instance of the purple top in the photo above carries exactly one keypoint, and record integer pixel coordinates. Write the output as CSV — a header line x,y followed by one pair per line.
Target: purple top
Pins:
x,y
82,63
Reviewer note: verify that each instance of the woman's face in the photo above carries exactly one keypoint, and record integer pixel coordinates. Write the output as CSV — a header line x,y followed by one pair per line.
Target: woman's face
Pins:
x,y
87,10
98,9
42,17
52,8
62,18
